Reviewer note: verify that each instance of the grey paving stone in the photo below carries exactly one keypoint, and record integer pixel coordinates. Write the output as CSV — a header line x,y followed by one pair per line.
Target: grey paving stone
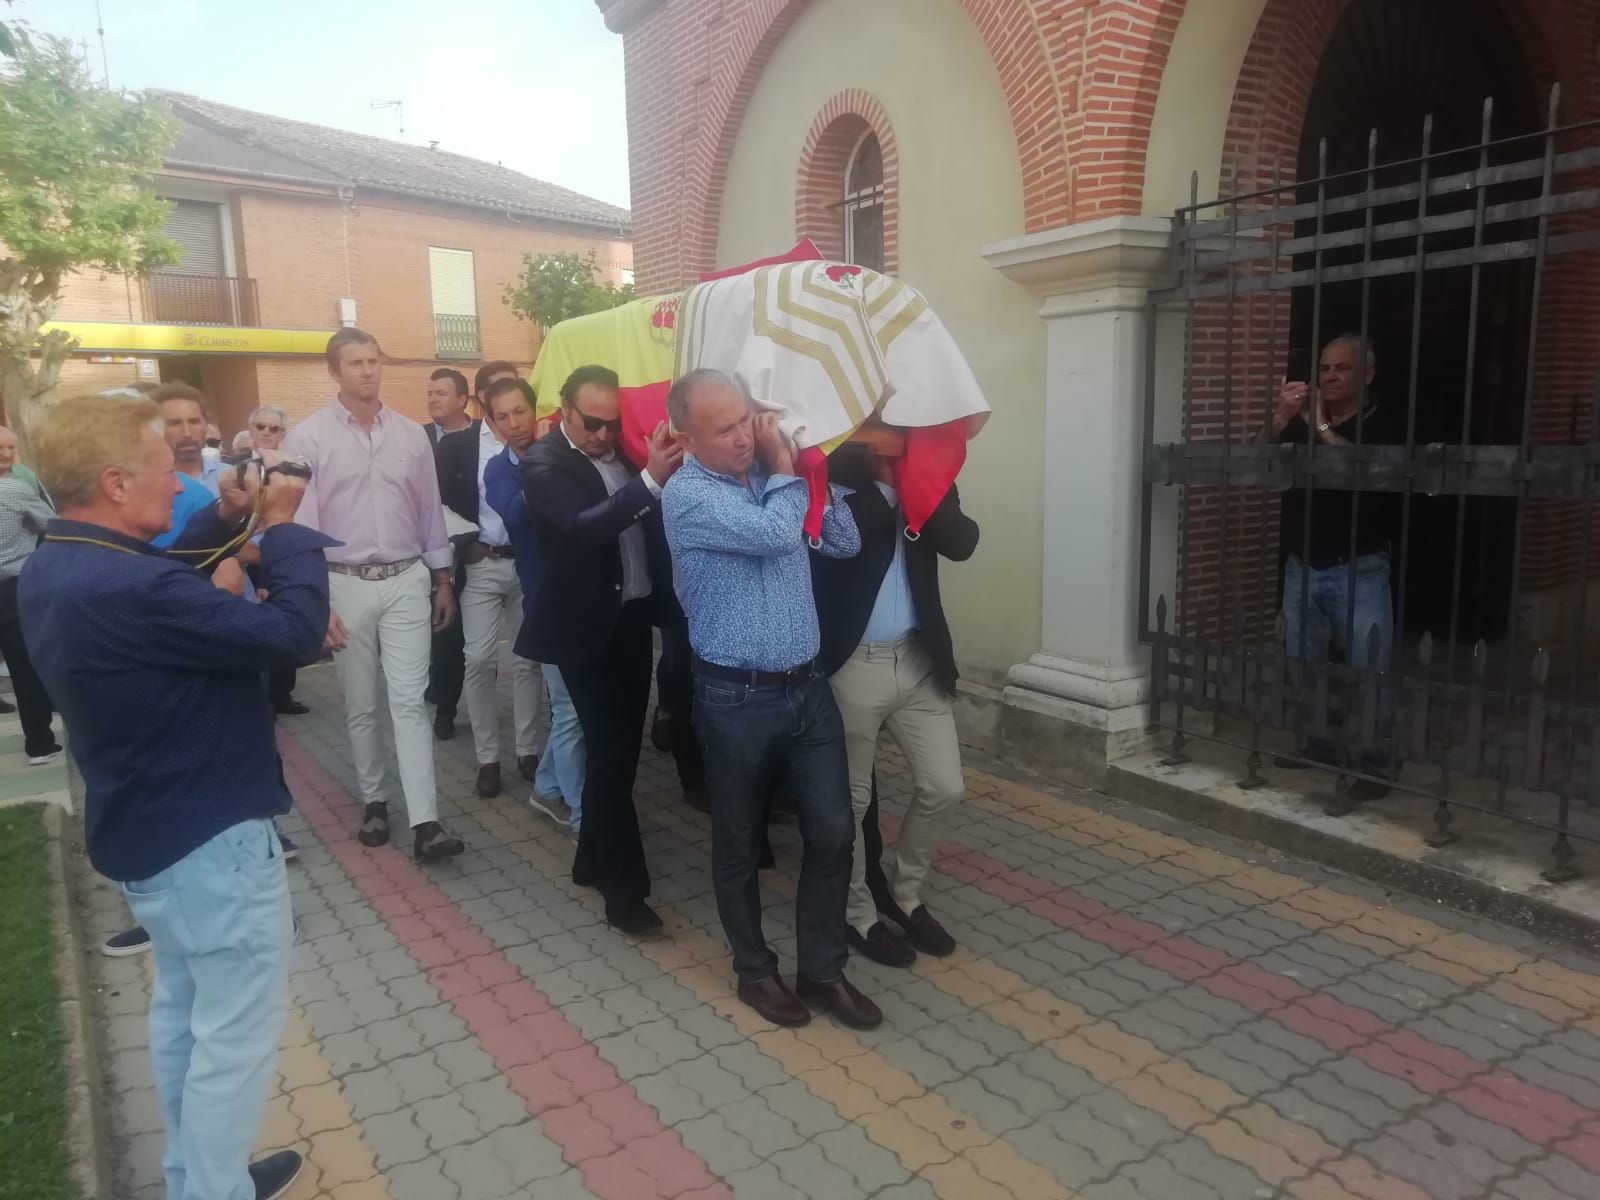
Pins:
x,y
724,1150
913,1056
1413,1151
666,1039
766,1131
764,1181
438,1025
708,1079
411,992
1157,1179
348,1052
808,1169
424,1180
464,1062
1190,1158
371,1004
1451,1126
753,1068
1068,1160
395,1138
1343,1108
1396,1093
492,1104
809,1115
445,1121
996,1113
419,1077
395,1038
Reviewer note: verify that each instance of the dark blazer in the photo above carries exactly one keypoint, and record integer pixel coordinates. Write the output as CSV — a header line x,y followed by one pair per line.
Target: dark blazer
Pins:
x,y
455,455
846,588
576,525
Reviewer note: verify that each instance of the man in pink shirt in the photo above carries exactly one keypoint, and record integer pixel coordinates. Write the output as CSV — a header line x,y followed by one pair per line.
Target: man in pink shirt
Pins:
x,y
373,487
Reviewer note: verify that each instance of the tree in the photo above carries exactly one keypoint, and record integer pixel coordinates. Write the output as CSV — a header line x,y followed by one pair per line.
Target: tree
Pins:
x,y
555,287
75,166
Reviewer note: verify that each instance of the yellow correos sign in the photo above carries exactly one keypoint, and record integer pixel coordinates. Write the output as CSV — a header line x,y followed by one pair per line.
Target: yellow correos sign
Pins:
x,y
96,337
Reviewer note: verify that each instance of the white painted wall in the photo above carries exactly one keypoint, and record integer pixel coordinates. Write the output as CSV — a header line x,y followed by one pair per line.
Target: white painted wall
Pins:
x,y
960,188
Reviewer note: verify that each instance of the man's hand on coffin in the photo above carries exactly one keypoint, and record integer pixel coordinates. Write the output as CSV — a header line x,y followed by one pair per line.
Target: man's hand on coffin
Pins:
x,y
665,455
772,446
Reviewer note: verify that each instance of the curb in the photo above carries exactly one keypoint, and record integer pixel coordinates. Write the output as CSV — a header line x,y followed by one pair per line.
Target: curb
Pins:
x,y
1431,881
80,1050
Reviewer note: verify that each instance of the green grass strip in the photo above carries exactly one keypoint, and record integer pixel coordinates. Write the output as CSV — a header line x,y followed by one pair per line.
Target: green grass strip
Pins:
x,y
33,1110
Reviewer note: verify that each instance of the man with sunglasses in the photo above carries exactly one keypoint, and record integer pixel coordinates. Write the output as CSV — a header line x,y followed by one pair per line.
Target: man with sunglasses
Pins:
x,y
606,579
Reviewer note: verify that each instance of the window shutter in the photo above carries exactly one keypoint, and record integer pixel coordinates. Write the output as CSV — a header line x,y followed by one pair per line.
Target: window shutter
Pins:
x,y
454,292
197,227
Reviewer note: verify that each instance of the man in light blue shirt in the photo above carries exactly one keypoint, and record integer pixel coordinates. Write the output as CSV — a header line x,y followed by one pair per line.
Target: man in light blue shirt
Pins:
x,y
183,421
762,708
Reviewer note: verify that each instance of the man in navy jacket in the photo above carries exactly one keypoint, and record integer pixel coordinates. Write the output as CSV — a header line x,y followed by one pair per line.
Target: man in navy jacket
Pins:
x,y
152,665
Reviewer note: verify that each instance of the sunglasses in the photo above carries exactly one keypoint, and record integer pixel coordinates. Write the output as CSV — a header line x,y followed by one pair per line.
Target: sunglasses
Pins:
x,y
596,424
267,428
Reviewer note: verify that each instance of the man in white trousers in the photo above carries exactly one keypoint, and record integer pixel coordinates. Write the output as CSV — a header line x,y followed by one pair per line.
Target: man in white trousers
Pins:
x,y
491,609
373,488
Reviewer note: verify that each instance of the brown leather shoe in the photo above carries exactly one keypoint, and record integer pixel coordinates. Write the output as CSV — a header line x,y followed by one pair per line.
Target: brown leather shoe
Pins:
x,y
489,780
528,766
433,844
841,1001
772,998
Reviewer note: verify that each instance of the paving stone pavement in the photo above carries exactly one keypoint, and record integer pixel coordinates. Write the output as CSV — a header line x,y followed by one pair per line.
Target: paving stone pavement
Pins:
x,y
1138,1011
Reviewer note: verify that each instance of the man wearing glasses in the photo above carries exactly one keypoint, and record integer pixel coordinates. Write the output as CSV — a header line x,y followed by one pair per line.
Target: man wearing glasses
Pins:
x,y
606,575
267,427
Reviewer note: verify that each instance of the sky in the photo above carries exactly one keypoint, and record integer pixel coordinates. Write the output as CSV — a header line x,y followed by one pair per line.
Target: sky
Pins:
x,y
534,84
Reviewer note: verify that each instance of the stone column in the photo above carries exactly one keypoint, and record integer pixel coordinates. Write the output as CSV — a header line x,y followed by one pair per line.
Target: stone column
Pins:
x,y
1082,699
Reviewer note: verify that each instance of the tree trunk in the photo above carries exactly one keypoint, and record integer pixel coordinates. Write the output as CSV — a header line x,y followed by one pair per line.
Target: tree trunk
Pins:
x,y
30,364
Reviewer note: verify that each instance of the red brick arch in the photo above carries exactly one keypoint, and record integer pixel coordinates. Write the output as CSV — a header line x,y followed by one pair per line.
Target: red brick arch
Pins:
x,y
1013,30
819,183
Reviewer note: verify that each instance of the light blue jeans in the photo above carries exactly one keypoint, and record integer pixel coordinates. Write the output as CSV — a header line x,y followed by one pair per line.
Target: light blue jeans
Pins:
x,y
561,769
220,933
1325,592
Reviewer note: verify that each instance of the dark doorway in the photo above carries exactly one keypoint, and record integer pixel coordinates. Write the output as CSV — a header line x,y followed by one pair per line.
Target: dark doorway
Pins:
x,y
1390,65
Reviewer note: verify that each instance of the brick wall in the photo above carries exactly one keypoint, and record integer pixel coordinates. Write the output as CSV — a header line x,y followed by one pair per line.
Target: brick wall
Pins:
x,y
1080,77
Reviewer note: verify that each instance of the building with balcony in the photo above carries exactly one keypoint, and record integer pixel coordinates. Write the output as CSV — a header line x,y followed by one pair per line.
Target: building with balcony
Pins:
x,y
289,230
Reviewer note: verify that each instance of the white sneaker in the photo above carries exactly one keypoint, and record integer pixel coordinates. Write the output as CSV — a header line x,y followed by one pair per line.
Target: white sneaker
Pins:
x,y
43,760
555,809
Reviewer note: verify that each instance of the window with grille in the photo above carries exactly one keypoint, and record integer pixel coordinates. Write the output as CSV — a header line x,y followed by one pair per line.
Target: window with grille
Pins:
x,y
455,302
863,204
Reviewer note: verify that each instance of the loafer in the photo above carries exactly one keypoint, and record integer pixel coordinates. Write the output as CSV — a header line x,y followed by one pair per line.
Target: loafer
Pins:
x,y
841,1001
636,920
444,727
773,1000
927,935
128,942
290,708
528,766
433,844
489,780
275,1174
882,945
374,826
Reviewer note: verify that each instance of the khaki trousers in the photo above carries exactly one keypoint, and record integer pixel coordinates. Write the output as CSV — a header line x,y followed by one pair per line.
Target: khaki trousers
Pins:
x,y
892,684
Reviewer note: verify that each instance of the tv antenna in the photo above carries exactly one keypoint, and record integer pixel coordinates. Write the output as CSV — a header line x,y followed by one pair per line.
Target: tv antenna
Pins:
x,y
399,107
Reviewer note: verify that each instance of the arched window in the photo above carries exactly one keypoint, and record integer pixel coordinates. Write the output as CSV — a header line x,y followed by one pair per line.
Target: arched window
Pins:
x,y
863,204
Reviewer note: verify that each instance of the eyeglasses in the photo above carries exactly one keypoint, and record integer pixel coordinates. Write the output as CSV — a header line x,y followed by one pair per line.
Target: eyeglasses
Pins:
x,y
267,428
596,424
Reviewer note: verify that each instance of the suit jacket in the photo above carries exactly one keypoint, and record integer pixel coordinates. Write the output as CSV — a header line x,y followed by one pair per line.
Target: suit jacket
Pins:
x,y
847,588
576,525
455,456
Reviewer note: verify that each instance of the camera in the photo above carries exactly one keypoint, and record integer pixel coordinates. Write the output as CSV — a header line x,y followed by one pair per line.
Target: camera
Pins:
x,y
297,467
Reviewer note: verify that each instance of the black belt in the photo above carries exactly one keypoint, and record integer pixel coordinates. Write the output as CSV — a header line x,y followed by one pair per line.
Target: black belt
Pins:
x,y
499,551
755,678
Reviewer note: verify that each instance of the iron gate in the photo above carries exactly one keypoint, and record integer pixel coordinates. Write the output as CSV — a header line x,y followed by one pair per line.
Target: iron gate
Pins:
x,y
1468,273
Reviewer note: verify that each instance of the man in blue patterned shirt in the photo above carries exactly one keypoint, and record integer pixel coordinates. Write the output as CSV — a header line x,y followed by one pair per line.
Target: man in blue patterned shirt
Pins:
x,y
764,711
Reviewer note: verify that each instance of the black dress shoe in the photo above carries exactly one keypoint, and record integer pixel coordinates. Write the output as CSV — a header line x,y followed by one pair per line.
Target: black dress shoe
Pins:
x,y
290,707
882,945
374,825
528,766
275,1174
841,1001
444,726
489,780
636,920
661,731
772,998
433,844
927,935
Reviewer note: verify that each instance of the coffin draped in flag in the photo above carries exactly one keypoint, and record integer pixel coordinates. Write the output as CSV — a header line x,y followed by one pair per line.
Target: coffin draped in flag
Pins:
x,y
838,350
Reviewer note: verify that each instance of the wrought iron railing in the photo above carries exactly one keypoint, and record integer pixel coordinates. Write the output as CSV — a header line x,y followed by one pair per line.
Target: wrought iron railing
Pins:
x,y
456,335
171,298
1475,260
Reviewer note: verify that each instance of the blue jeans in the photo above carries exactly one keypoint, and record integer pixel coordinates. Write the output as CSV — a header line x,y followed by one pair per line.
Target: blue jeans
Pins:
x,y
560,774
1326,611
220,934
754,738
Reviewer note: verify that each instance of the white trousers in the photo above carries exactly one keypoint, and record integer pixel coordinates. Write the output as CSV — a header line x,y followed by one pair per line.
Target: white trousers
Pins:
x,y
491,611
390,624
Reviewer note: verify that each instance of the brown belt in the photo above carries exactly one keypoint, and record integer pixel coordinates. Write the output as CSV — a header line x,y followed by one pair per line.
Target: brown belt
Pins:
x,y
370,571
